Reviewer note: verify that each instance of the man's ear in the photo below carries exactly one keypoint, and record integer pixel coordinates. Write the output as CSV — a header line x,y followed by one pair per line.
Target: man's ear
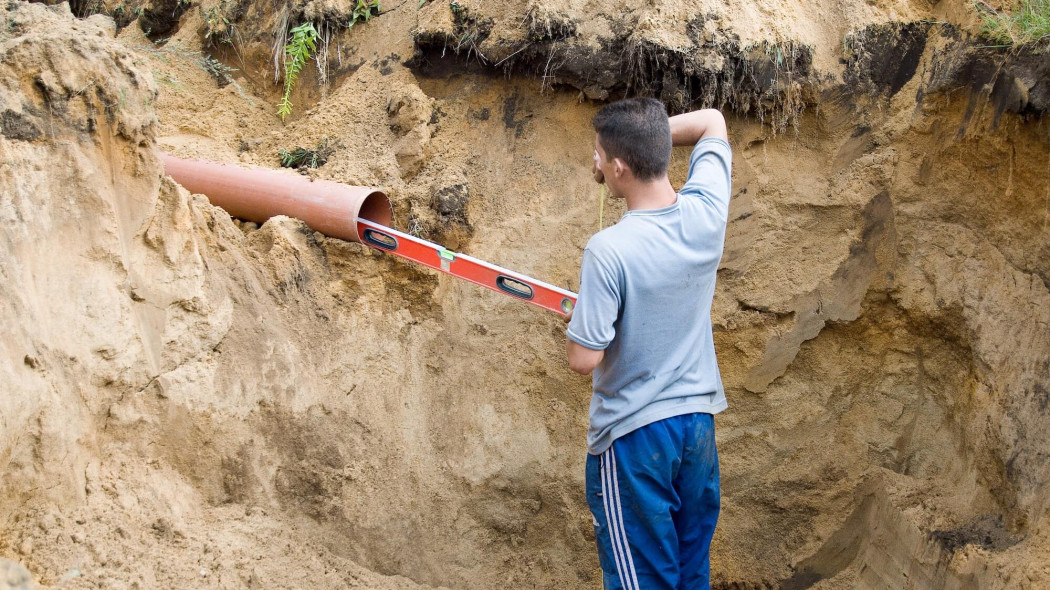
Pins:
x,y
619,167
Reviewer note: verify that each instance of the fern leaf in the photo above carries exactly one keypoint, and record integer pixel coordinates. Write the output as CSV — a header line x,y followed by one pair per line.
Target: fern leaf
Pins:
x,y
297,52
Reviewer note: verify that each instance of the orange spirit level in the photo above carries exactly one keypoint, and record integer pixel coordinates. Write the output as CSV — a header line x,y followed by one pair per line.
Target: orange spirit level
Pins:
x,y
516,285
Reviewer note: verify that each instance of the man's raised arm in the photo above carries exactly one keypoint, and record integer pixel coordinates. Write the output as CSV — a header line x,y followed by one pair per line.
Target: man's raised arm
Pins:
x,y
689,128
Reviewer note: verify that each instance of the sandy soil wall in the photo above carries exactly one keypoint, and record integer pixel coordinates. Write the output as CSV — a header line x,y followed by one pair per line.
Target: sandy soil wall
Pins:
x,y
190,400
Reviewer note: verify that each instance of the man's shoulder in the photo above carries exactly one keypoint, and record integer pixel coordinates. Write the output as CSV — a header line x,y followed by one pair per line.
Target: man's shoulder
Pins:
x,y
607,243
712,144
602,241
708,147
607,248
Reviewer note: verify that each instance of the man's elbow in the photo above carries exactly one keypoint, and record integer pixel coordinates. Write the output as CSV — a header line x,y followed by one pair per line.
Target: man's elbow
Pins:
x,y
583,360
715,125
582,366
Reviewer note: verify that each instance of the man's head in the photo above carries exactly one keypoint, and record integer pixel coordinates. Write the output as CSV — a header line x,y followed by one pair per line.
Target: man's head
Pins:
x,y
634,131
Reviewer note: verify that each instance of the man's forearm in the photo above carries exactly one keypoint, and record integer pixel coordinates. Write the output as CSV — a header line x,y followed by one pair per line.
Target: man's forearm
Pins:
x,y
689,128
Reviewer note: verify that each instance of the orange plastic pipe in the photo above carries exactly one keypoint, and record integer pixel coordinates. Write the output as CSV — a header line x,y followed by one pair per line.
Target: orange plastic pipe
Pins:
x,y
259,194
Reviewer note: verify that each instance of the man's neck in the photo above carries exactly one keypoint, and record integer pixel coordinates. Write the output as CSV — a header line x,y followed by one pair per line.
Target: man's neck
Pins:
x,y
653,194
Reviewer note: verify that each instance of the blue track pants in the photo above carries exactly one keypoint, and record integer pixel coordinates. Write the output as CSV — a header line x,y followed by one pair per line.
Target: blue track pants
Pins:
x,y
654,497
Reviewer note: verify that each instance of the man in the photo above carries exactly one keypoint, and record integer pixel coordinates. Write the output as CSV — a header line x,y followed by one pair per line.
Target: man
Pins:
x,y
642,324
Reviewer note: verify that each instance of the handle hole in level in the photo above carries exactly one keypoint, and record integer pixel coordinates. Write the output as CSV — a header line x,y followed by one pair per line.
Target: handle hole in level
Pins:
x,y
514,287
379,239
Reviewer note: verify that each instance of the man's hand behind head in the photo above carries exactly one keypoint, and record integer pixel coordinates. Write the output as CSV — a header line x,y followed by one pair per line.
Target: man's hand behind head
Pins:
x,y
599,176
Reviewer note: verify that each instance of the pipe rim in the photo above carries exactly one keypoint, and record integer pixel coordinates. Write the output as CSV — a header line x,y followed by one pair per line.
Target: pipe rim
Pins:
x,y
375,207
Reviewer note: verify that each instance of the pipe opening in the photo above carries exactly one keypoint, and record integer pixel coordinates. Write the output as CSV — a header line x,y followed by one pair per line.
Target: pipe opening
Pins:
x,y
376,208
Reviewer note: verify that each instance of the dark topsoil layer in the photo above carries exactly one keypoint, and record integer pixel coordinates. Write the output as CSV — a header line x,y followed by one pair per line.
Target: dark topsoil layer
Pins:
x,y
765,80
773,82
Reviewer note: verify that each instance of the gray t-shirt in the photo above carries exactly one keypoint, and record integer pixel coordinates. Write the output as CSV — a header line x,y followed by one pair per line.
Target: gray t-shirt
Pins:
x,y
646,286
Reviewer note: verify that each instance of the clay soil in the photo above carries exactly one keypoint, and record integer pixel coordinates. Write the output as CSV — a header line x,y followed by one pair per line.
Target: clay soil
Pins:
x,y
188,400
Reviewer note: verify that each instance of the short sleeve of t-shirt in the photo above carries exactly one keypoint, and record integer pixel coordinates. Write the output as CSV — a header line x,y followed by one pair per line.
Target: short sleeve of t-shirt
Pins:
x,y
710,174
598,306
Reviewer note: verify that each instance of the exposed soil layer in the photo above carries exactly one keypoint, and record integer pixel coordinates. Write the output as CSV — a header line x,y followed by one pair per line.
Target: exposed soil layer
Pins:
x,y
190,400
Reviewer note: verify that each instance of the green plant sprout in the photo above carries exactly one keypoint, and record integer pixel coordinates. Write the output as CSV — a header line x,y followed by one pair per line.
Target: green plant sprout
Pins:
x,y
363,12
297,52
217,27
303,158
1028,23
220,71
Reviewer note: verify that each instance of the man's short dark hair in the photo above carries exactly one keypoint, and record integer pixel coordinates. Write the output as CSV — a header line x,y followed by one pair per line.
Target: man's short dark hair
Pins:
x,y
636,130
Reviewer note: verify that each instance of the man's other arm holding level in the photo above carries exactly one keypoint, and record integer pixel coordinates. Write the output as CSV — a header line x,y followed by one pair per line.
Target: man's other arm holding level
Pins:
x,y
689,128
